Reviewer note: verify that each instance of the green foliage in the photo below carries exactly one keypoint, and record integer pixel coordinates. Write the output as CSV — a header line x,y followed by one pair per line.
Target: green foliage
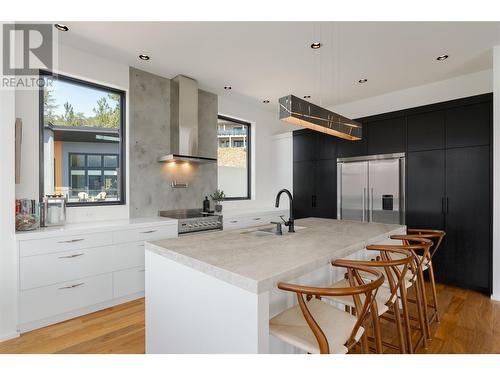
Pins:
x,y
106,112
218,196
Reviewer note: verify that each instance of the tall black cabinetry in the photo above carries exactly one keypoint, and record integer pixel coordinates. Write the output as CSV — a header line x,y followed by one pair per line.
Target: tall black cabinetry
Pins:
x,y
449,178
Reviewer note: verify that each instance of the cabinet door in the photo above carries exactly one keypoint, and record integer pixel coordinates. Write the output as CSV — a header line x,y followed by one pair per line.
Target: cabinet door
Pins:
x,y
469,125
325,197
386,136
347,148
327,147
303,188
425,194
468,215
305,145
425,131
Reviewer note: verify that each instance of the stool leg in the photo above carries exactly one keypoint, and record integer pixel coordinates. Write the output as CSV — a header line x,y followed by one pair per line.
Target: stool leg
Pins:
x,y
420,312
399,327
424,304
376,329
406,318
434,293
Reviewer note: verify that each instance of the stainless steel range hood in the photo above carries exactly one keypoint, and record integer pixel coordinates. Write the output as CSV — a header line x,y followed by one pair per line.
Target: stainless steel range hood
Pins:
x,y
184,122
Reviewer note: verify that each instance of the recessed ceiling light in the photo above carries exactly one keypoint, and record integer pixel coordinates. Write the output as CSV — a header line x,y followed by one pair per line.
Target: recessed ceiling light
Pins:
x,y
363,80
316,45
227,87
442,57
144,57
265,101
307,96
61,27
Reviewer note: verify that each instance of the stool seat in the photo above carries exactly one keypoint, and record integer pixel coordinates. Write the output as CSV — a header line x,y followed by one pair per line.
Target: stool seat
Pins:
x,y
383,295
337,325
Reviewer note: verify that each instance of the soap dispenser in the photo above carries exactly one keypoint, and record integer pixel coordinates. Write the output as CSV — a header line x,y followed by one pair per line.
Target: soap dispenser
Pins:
x,y
206,205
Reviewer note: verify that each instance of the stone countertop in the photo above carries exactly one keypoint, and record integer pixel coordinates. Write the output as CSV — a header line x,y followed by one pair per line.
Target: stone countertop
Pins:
x,y
232,212
257,263
93,226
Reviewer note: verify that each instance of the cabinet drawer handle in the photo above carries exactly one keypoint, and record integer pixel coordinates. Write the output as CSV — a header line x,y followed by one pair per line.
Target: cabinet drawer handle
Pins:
x,y
143,270
256,218
71,256
148,231
234,221
141,245
72,241
72,286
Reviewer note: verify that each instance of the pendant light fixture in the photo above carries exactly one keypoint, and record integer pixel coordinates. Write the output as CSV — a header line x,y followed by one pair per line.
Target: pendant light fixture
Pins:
x,y
297,111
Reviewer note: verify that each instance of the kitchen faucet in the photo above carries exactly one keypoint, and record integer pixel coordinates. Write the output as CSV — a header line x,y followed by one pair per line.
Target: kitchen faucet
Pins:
x,y
290,221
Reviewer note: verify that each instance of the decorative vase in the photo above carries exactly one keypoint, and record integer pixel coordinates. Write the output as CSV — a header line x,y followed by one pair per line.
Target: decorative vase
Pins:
x,y
218,207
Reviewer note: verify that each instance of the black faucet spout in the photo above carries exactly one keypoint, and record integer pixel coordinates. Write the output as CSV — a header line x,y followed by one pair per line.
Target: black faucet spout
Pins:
x,y
290,222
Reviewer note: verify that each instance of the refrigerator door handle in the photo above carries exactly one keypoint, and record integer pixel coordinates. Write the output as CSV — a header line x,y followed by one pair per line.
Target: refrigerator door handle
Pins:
x,y
364,204
371,205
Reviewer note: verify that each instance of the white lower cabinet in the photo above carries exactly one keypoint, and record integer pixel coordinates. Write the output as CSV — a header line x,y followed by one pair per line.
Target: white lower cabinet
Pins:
x,y
127,282
41,303
66,276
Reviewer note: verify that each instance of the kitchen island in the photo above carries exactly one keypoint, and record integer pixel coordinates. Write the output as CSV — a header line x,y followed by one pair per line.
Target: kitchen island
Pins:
x,y
215,292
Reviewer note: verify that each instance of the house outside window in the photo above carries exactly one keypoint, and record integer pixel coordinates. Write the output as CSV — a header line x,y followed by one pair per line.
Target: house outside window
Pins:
x,y
82,141
233,157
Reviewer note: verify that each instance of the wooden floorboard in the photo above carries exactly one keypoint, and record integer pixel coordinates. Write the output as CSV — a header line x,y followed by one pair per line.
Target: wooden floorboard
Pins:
x,y
470,323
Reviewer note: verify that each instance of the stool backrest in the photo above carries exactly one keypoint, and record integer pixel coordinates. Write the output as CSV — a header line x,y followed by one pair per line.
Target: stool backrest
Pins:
x,y
357,287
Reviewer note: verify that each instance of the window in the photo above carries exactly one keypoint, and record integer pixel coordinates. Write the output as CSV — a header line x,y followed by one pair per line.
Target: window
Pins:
x,y
233,157
81,141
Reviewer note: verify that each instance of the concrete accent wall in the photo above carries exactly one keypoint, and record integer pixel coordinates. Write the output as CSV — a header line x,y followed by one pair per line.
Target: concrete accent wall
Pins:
x,y
149,137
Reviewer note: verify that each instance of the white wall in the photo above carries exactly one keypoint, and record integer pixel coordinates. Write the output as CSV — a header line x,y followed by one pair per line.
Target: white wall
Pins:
x,y
454,88
8,259
267,162
78,64
496,173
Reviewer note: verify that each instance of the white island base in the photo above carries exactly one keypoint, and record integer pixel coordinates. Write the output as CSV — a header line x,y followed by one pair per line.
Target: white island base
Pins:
x,y
215,292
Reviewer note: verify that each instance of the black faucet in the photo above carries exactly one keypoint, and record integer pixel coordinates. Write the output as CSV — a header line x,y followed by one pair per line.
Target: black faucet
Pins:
x,y
290,221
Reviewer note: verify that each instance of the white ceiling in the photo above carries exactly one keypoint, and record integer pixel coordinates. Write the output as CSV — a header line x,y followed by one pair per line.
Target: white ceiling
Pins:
x,y
267,60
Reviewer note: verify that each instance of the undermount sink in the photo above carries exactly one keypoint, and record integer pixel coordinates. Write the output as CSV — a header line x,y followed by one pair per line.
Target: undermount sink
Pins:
x,y
270,231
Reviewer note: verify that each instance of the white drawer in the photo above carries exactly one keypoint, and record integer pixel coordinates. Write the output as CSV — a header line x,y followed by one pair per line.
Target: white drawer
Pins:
x,y
64,243
47,269
128,282
128,255
40,303
145,234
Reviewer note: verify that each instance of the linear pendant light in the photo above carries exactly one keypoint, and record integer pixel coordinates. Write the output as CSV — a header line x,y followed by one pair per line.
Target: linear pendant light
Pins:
x,y
299,112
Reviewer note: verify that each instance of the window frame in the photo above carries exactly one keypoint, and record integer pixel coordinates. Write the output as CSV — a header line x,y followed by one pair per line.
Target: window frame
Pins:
x,y
249,159
122,134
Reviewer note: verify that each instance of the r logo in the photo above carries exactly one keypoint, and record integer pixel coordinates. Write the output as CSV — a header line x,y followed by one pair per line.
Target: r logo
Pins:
x,y
26,48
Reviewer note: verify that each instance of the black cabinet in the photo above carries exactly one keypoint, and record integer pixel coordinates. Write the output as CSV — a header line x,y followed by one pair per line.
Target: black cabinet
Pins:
x,y
386,136
305,145
425,199
468,216
425,131
469,125
325,194
314,175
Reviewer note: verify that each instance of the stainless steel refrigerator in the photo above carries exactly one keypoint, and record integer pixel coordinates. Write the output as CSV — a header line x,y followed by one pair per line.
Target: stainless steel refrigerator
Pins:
x,y
371,188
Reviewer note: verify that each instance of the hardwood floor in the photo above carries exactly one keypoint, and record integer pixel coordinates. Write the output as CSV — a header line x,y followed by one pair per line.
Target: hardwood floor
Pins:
x,y
470,323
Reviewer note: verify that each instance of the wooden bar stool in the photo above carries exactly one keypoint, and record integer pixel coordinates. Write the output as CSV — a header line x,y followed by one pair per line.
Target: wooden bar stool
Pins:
x,y
394,271
423,245
436,236
316,326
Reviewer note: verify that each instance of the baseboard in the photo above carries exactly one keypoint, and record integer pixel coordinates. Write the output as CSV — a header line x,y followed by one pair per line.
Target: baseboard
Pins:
x,y
495,297
29,326
8,336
